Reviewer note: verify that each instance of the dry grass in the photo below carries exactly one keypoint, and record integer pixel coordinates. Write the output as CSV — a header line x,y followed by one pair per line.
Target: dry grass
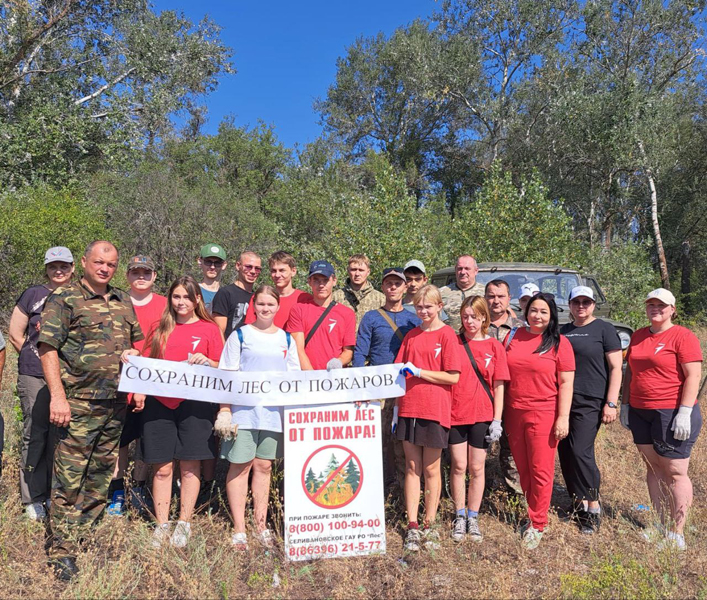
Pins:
x,y
616,563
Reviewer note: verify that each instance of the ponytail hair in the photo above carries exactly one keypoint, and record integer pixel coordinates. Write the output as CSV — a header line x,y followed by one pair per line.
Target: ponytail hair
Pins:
x,y
551,335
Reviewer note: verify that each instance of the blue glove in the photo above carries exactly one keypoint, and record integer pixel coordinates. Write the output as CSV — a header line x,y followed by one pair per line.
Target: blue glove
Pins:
x,y
495,431
410,370
394,427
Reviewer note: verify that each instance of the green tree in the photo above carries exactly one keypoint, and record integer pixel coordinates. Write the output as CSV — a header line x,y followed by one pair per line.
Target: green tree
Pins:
x,y
515,222
353,475
332,465
32,221
85,83
311,481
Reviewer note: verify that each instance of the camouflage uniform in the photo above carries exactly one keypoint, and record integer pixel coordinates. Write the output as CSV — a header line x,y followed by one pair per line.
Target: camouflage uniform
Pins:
x,y
452,297
505,458
89,334
360,301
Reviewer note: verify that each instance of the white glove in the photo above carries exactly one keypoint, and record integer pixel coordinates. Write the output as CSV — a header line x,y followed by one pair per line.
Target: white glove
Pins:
x,y
223,426
681,426
495,431
334,363
623,415
410,370
394,427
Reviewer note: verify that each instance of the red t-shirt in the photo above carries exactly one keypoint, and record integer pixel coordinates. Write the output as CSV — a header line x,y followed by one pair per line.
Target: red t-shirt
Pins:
x,y
149,315
535,377
655,359
200,337
433,351
336,331
283,313
470,402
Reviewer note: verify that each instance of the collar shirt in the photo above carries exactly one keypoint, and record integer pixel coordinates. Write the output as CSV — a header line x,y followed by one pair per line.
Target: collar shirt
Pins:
x,y
360,301
452,297
501,331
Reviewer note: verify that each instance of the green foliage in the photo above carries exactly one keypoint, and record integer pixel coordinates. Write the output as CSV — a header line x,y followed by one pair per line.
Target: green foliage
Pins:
x,y
34,220
617,577
515,222
626,276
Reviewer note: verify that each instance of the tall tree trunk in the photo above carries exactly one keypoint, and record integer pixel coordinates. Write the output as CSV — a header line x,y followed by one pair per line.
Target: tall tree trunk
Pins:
x,y
662,262
686,275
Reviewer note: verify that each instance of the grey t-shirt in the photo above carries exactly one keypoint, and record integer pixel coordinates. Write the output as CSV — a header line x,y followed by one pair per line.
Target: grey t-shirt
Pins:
x,y
31,303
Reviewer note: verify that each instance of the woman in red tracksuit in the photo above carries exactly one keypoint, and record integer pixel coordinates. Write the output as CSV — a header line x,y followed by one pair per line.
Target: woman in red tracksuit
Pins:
x,y
537,406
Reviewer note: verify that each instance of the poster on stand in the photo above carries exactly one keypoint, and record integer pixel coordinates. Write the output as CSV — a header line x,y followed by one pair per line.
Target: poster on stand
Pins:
x,y
334,503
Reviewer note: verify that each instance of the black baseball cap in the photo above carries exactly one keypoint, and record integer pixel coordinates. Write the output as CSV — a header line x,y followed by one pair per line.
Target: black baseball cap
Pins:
x,y
394,272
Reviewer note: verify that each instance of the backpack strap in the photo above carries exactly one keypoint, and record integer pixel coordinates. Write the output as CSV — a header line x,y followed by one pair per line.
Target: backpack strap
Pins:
x,y
239,333
318,323
509,337
393,325
472,360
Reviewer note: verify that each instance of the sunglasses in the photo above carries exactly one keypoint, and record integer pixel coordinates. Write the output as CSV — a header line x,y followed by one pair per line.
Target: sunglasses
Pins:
x,y
252,268
212,263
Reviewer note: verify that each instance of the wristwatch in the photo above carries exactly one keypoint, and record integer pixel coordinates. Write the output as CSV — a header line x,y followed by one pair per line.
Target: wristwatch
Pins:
x,y
611,405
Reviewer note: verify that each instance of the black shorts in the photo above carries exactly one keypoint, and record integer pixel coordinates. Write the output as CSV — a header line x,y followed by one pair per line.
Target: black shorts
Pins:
x,y
183,433
474,435
132,428
652,426
422,432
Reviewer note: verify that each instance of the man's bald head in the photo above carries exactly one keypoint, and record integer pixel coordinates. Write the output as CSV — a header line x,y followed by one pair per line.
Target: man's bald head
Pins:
x,y
466,270
101,246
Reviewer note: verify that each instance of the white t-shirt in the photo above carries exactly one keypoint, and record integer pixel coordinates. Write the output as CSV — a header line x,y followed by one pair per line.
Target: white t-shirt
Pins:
x,y
261,352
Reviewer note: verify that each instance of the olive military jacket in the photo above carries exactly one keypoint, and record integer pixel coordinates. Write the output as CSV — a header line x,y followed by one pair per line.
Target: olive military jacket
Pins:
x,y
360,301
452,297
89,334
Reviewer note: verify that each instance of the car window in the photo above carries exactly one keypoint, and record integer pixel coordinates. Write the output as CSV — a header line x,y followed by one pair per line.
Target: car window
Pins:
x,y
559,285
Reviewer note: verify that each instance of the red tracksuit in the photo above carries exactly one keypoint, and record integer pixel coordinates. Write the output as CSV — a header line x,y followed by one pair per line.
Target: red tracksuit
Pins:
x,y
530,413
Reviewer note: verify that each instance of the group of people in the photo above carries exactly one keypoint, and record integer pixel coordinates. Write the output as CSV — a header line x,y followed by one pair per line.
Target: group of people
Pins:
x,y
476,373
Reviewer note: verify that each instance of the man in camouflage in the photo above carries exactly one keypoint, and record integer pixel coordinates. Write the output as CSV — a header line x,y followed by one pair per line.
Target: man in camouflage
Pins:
x,y
498,298
86,325
358,294
465,285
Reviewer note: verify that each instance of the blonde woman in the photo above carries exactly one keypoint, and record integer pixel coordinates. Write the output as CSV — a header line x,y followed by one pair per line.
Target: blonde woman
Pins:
x,y
260,346
422,417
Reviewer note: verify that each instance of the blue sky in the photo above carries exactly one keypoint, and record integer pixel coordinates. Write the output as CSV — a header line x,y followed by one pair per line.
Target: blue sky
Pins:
x,y
285,54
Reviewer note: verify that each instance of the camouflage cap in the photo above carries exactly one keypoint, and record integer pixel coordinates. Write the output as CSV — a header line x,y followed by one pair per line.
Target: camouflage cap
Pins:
x,y
141,261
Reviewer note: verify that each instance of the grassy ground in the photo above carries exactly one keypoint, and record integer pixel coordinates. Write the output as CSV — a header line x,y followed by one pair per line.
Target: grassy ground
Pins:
x,y
615,563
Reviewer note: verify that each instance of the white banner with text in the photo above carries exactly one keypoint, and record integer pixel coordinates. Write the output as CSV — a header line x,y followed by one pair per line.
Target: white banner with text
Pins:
x,y
171,379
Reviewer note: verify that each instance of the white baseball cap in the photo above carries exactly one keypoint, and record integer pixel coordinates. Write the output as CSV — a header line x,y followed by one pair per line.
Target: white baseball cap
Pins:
x,y
529,290
665,296
581,290
415,264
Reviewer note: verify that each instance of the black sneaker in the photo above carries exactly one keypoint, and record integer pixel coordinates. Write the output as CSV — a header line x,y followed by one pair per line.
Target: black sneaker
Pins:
x,y
65,569
588,522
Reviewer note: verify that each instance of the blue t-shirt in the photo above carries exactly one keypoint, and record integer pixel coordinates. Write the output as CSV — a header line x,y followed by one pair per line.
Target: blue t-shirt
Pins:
x,y
208,298
376,342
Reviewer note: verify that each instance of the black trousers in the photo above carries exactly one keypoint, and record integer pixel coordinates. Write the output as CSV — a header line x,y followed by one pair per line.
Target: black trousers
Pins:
x,y
576,451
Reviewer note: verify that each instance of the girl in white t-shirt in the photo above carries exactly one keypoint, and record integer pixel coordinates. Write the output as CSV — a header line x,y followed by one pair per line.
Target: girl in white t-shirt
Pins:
x,y
258,436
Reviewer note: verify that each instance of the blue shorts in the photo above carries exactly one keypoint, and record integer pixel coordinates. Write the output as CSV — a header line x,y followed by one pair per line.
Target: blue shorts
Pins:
x,y
652,426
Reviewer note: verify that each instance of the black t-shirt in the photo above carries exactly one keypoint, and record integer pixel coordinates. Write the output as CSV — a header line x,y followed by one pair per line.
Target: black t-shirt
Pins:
x,y
231,302
31,303
589,343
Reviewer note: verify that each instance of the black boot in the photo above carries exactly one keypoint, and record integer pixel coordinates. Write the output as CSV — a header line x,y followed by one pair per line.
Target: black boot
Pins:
x,y
589,522
65,569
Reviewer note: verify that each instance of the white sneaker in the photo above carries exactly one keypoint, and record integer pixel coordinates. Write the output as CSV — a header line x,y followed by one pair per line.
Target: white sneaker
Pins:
x,y
531,538
35,511
673,540
239,541
181,535
266,538
160,535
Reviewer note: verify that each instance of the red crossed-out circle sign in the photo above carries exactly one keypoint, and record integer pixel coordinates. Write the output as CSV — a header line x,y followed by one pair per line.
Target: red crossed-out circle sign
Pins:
x,y
332,490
